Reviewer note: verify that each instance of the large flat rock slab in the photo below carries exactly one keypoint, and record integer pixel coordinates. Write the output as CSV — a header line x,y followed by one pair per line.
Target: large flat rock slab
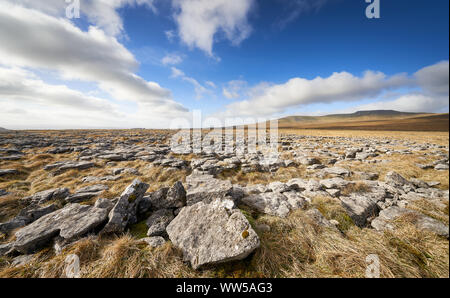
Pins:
x,y
212,234
71,222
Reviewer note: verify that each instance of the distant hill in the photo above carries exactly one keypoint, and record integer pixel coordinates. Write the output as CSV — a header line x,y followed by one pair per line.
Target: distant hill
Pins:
x,y
3,129
370,120
377,114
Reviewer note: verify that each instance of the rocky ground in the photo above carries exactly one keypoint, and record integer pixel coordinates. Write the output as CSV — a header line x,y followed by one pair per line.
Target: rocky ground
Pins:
x,y
129,207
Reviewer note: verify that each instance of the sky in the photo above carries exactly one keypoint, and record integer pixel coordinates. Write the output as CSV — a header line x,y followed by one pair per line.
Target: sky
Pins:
x,y
153,63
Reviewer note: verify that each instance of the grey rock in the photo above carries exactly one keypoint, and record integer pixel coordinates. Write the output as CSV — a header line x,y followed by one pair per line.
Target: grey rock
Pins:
x,y
386,217
126,208
337,183
6,248
154,241
176,197
360,207
21,260
90,179
441,167
336,171
72,221
42,197
158,222
4,172
104,204
271,203
205,188
212,234
395,179
296,201
62,166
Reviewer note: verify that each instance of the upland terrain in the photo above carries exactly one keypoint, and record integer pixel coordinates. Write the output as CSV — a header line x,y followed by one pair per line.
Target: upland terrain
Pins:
x,y
127,206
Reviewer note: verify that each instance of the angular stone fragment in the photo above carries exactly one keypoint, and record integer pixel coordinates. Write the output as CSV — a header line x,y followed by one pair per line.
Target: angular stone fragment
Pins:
x,y
360,207
158,222
125,210
175,197
212,234
395,179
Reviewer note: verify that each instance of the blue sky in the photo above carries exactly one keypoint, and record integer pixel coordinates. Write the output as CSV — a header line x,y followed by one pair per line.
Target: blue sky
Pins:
x,y
252,58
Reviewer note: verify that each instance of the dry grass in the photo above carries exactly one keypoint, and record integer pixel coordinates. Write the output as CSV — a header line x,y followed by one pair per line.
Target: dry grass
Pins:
x,y
358,187
282,174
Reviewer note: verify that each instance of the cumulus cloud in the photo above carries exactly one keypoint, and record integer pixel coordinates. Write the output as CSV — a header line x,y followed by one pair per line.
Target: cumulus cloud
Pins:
x,y
49,105
101,13
434,79
33,39
24,87
343,86
269,99
200,20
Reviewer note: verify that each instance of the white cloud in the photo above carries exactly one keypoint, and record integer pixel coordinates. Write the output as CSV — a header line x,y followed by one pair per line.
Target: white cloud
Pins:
x,y
343,86
23,86
170,34
269,99
171,59
35,40
200,20
176,73
25,97
414,102
101,13
434,79
234,89
200,90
